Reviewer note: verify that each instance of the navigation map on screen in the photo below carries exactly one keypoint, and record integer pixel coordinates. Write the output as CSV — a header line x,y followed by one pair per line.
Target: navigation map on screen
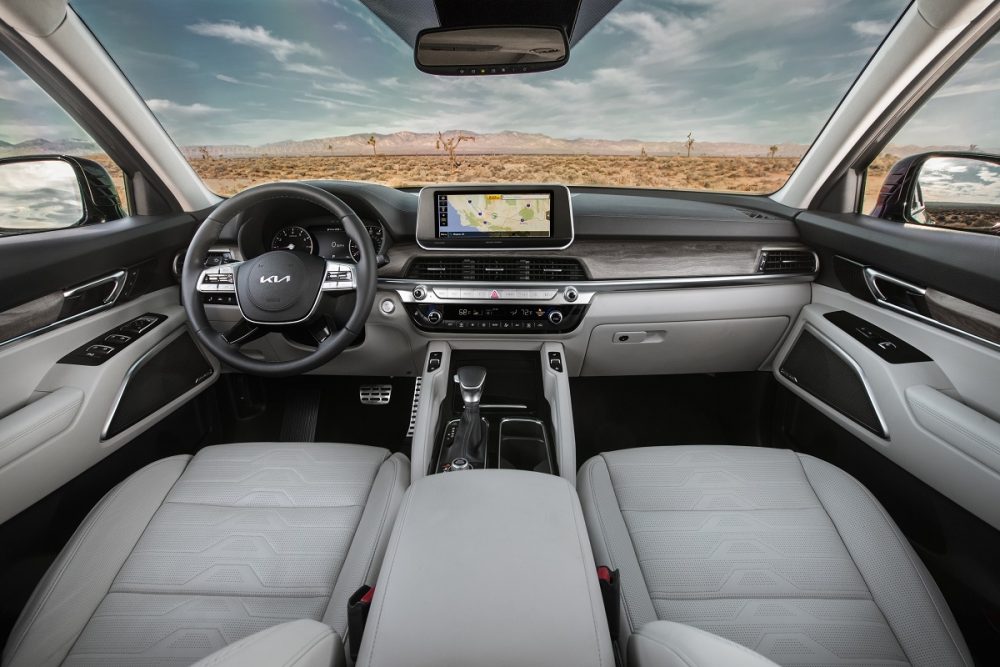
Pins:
x,y
494,215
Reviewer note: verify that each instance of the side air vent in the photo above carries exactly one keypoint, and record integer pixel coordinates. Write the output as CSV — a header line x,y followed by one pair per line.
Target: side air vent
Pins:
x,y
787,261
756,215
496,269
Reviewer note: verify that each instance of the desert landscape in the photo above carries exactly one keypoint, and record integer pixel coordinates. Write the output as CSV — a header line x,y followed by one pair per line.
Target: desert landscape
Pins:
x,y
407,159
754,175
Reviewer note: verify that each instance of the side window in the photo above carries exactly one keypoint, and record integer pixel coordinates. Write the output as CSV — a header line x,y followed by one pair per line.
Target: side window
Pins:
x,y
942,168
52,174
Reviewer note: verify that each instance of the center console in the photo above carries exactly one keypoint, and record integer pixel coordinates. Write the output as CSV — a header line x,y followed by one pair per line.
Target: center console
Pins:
x,y
493,567
494,415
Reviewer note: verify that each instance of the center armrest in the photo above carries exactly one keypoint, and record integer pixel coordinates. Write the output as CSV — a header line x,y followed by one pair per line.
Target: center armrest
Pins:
x,y
488,567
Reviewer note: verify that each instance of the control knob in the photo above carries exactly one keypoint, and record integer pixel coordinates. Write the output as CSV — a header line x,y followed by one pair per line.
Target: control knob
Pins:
x,y
555,316
434,317
419,292
571,294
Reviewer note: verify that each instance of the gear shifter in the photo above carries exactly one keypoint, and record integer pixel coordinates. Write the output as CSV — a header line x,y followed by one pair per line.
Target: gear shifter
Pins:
x,y
470,436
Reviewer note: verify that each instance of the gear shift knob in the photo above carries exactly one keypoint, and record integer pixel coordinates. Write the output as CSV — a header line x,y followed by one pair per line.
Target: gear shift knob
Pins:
x,y
470,380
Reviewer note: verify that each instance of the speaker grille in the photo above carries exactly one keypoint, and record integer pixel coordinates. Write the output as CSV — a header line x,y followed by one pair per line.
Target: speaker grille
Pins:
x,y
820,371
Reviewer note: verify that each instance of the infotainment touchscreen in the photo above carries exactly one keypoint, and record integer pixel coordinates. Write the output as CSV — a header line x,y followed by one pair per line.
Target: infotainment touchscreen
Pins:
x,y
485,215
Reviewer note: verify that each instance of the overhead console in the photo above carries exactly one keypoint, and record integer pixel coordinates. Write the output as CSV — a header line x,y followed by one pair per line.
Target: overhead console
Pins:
x,y
492,217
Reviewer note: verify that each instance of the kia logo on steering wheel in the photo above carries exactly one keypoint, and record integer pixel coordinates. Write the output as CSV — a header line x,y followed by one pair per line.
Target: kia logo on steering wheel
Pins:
x,y
276,279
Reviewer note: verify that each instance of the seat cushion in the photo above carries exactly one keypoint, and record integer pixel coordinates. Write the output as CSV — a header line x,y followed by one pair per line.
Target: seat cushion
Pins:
x,y
190,555
777,551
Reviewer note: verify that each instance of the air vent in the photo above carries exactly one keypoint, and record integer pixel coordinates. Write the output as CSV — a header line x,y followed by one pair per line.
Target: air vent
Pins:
x,y
756,215
496,269
787,261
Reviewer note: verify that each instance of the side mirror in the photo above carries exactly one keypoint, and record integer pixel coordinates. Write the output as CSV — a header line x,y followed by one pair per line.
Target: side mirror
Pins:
x,y
45,192
947,189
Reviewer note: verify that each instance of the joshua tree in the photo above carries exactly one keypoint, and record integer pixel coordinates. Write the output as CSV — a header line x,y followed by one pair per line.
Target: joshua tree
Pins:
x,y
973,148
773,150
642,153
689,143
371,142
204,152
450,144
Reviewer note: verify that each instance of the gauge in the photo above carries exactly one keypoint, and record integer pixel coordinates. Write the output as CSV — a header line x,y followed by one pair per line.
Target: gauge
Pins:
x,y
377,235
292,238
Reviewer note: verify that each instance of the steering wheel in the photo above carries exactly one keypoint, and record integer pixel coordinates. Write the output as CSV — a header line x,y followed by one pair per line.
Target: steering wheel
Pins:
x,y
280,288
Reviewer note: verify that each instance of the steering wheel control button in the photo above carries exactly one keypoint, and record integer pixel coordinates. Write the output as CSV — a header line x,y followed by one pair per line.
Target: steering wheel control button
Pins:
x,y
387,307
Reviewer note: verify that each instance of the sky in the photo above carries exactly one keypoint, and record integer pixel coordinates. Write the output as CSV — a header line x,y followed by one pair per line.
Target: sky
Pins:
x,y
258,71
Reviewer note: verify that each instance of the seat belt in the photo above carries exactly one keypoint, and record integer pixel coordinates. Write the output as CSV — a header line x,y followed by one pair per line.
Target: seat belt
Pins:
x,y
358,606
611,595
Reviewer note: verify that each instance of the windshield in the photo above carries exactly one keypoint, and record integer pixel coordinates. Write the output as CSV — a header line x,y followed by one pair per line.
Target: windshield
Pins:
x,y
687,94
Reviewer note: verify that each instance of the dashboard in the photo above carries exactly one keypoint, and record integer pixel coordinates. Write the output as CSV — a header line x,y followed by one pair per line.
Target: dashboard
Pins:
x,y
630,275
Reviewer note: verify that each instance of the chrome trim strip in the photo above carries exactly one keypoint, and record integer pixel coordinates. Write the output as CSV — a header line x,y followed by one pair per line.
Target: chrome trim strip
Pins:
x,y
118,277
587,289
499,186
872,275
840,352
136,365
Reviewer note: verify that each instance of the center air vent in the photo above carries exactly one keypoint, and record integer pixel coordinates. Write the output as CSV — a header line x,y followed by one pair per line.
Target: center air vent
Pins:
x,y
787,261
497,269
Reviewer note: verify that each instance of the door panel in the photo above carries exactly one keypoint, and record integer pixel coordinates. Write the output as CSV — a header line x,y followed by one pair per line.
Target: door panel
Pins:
x,y
959,383
71,404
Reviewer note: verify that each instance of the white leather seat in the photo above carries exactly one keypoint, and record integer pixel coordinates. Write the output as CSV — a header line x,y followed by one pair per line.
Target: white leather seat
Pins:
x,y
189,555
780,552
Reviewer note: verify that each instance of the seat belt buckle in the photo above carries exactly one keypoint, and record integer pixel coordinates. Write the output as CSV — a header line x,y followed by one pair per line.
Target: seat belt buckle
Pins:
x,y
611,594
357,616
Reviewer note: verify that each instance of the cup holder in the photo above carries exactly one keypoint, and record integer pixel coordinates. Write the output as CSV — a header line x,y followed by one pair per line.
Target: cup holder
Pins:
x,y
524,445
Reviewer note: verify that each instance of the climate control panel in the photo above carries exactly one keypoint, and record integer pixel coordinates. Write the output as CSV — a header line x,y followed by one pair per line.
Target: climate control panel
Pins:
x,y
505,318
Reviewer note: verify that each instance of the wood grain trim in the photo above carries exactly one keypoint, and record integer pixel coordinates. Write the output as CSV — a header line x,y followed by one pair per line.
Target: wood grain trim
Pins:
x,y
963,315
624,259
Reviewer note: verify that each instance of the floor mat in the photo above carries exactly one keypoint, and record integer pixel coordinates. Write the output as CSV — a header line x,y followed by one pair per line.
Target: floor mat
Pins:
x,y
620,412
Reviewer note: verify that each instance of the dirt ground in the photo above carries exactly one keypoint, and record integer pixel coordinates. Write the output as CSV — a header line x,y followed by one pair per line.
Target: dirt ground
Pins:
x,y
761,175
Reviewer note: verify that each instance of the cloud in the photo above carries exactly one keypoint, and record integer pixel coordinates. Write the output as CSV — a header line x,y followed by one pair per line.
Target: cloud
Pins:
x,y
256,36
328,71
228,79
871,28
170,107
346,87
165,58
830,77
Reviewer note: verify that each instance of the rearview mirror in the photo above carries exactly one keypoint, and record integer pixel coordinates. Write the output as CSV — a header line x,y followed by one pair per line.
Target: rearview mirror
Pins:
x,y
45,192
491,50
957,190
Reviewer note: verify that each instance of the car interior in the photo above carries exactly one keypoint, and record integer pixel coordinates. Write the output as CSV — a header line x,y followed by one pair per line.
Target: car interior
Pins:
x,y
316,421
